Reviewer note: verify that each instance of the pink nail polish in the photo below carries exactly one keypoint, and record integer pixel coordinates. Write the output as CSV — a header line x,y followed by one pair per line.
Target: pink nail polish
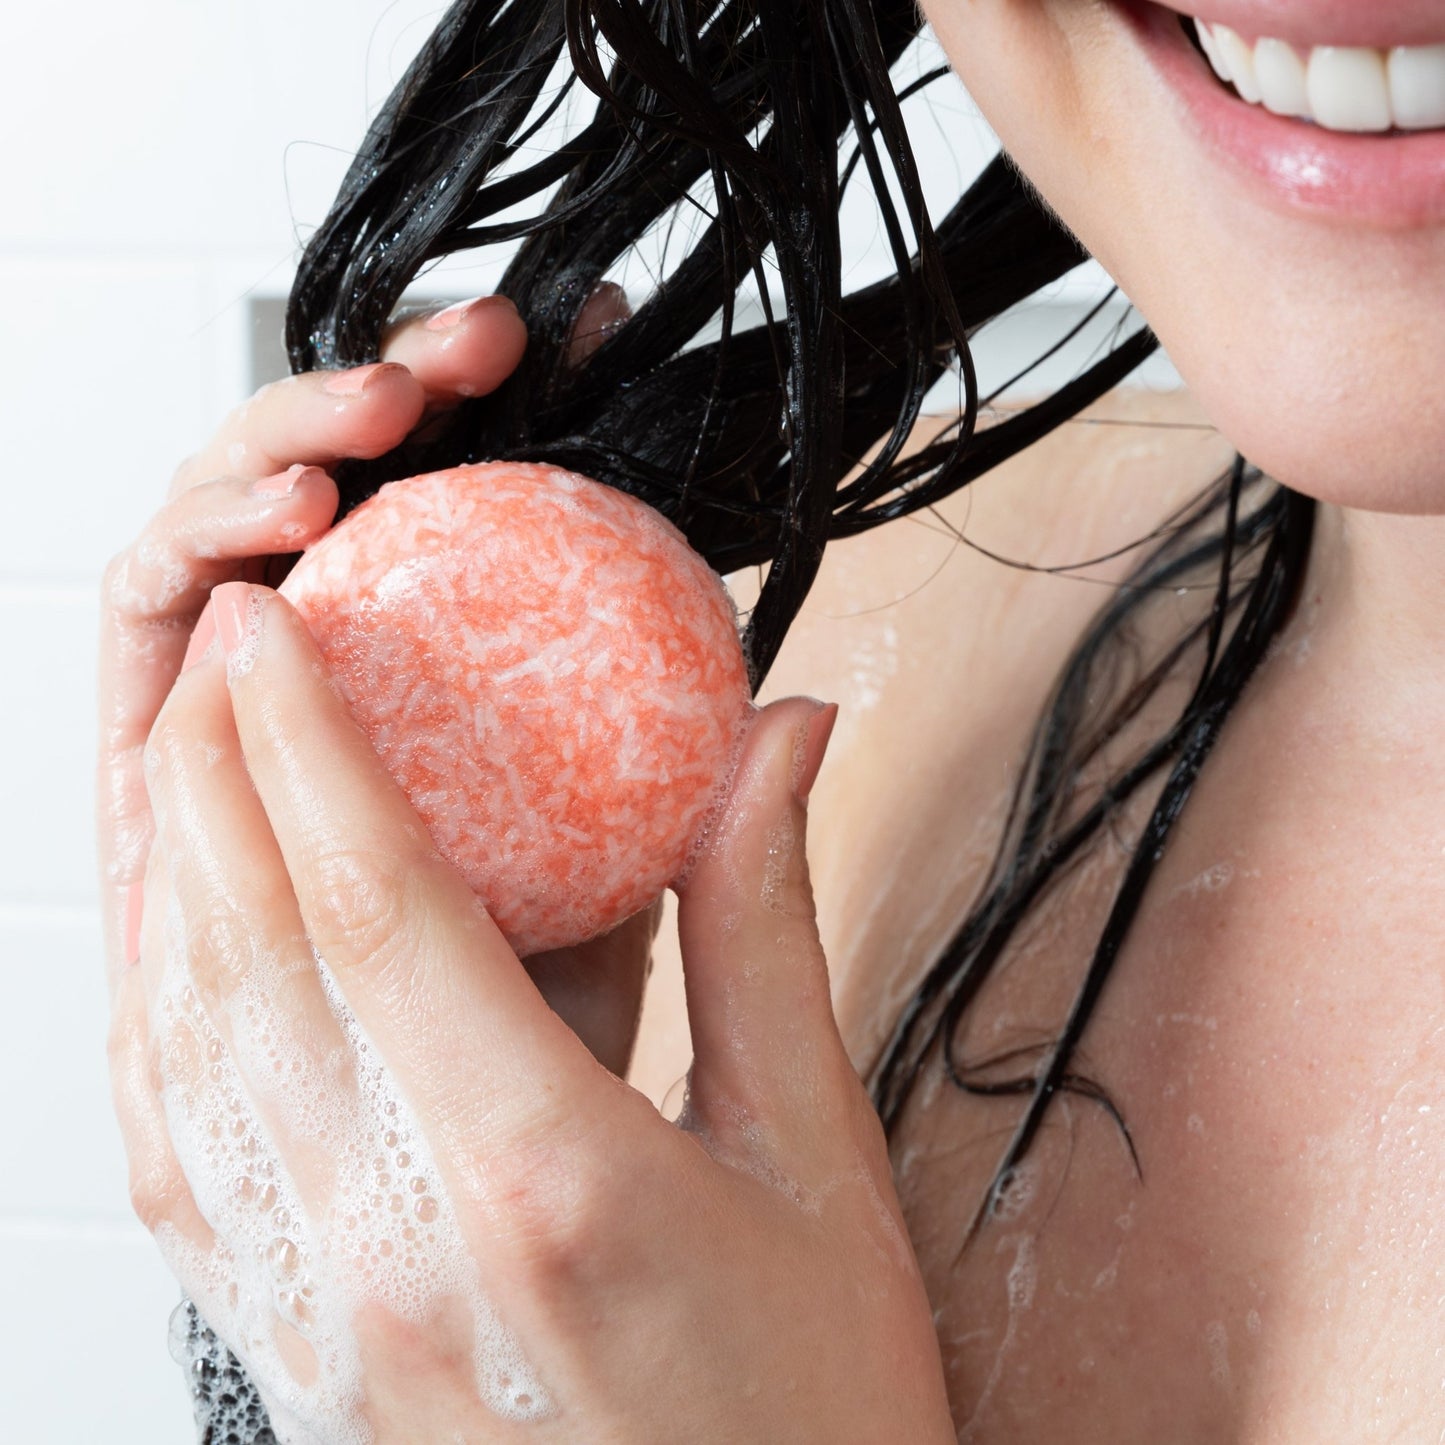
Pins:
x,y
201,638
354,382
238,607
283,483
133,900
813,743
453,316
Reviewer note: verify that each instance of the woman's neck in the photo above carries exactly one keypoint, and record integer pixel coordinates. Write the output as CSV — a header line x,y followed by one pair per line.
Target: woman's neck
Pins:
x,y
1373,614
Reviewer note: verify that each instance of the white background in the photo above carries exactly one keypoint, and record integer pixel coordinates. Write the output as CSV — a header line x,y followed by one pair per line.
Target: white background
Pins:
x,y
162,158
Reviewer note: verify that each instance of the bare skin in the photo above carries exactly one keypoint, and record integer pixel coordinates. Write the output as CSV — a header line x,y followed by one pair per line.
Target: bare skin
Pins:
x,y
1272,1033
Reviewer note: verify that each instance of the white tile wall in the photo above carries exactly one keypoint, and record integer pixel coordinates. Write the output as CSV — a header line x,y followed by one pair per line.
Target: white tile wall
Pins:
x,y
160,158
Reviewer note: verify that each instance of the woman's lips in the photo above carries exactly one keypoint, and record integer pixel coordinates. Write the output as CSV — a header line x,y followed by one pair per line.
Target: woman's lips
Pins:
x,y
1392,180
1305,23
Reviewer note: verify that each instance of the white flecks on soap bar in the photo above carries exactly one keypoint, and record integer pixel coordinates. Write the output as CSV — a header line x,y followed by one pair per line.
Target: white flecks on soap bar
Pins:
x,y
550,672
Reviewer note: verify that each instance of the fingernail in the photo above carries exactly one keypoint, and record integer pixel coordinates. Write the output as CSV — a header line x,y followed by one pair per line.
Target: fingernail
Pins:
x,y
604,313
133,899
812,744
283,483
237,606
453,316
201,638
610,296
354,382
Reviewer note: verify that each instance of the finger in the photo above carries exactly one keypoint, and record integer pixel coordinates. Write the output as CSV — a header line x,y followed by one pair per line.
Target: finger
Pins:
x,y
159,1192
237,936
602,315
428,974
152,594
317,417
766,1045
596,988
244,1190
466,350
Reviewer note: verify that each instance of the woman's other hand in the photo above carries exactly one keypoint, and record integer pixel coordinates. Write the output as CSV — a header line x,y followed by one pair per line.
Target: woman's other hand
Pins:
x,y
259,489
744,1276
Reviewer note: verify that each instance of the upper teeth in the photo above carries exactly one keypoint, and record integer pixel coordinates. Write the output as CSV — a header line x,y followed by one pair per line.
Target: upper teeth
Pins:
x,y
1340,87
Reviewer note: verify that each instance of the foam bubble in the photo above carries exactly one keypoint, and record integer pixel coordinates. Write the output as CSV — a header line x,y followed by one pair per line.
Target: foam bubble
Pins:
x,y
241,659
379,1230
782,840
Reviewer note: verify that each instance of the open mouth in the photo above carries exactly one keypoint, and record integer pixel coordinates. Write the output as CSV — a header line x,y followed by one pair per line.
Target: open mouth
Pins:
x,y
1349,131
1347,88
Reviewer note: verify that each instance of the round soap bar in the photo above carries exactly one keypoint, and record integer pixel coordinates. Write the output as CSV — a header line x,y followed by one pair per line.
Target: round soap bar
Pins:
x,y
549,671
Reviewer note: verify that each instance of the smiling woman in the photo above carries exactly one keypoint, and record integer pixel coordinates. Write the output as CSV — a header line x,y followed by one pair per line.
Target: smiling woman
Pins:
x,y
1284,266
1131,918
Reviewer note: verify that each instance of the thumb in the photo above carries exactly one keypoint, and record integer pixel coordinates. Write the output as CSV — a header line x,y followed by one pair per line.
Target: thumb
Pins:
x,y
766,1047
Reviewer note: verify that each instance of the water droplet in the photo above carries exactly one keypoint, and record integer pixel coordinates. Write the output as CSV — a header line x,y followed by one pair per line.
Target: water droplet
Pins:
x,y
426,1209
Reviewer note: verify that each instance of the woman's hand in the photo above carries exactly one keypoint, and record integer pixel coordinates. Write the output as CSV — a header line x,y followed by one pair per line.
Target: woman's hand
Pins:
x,y
581,1270
260,488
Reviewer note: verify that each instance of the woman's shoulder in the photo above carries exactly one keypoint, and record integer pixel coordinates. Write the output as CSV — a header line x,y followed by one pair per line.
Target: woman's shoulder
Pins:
x,y
939,636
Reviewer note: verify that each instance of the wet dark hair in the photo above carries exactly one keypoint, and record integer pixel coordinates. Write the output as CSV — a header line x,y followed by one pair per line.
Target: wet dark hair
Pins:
x,y
752,118
1114,758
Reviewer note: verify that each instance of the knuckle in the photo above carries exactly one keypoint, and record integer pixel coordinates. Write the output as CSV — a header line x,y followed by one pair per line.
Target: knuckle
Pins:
x,y
559,1197
361,901
119,592
112,580
164,749
151,580
219,943
125,1042
156,1189
555,1209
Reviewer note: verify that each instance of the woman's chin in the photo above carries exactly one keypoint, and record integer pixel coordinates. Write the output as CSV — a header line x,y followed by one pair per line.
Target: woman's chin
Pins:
x,y
1379,448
